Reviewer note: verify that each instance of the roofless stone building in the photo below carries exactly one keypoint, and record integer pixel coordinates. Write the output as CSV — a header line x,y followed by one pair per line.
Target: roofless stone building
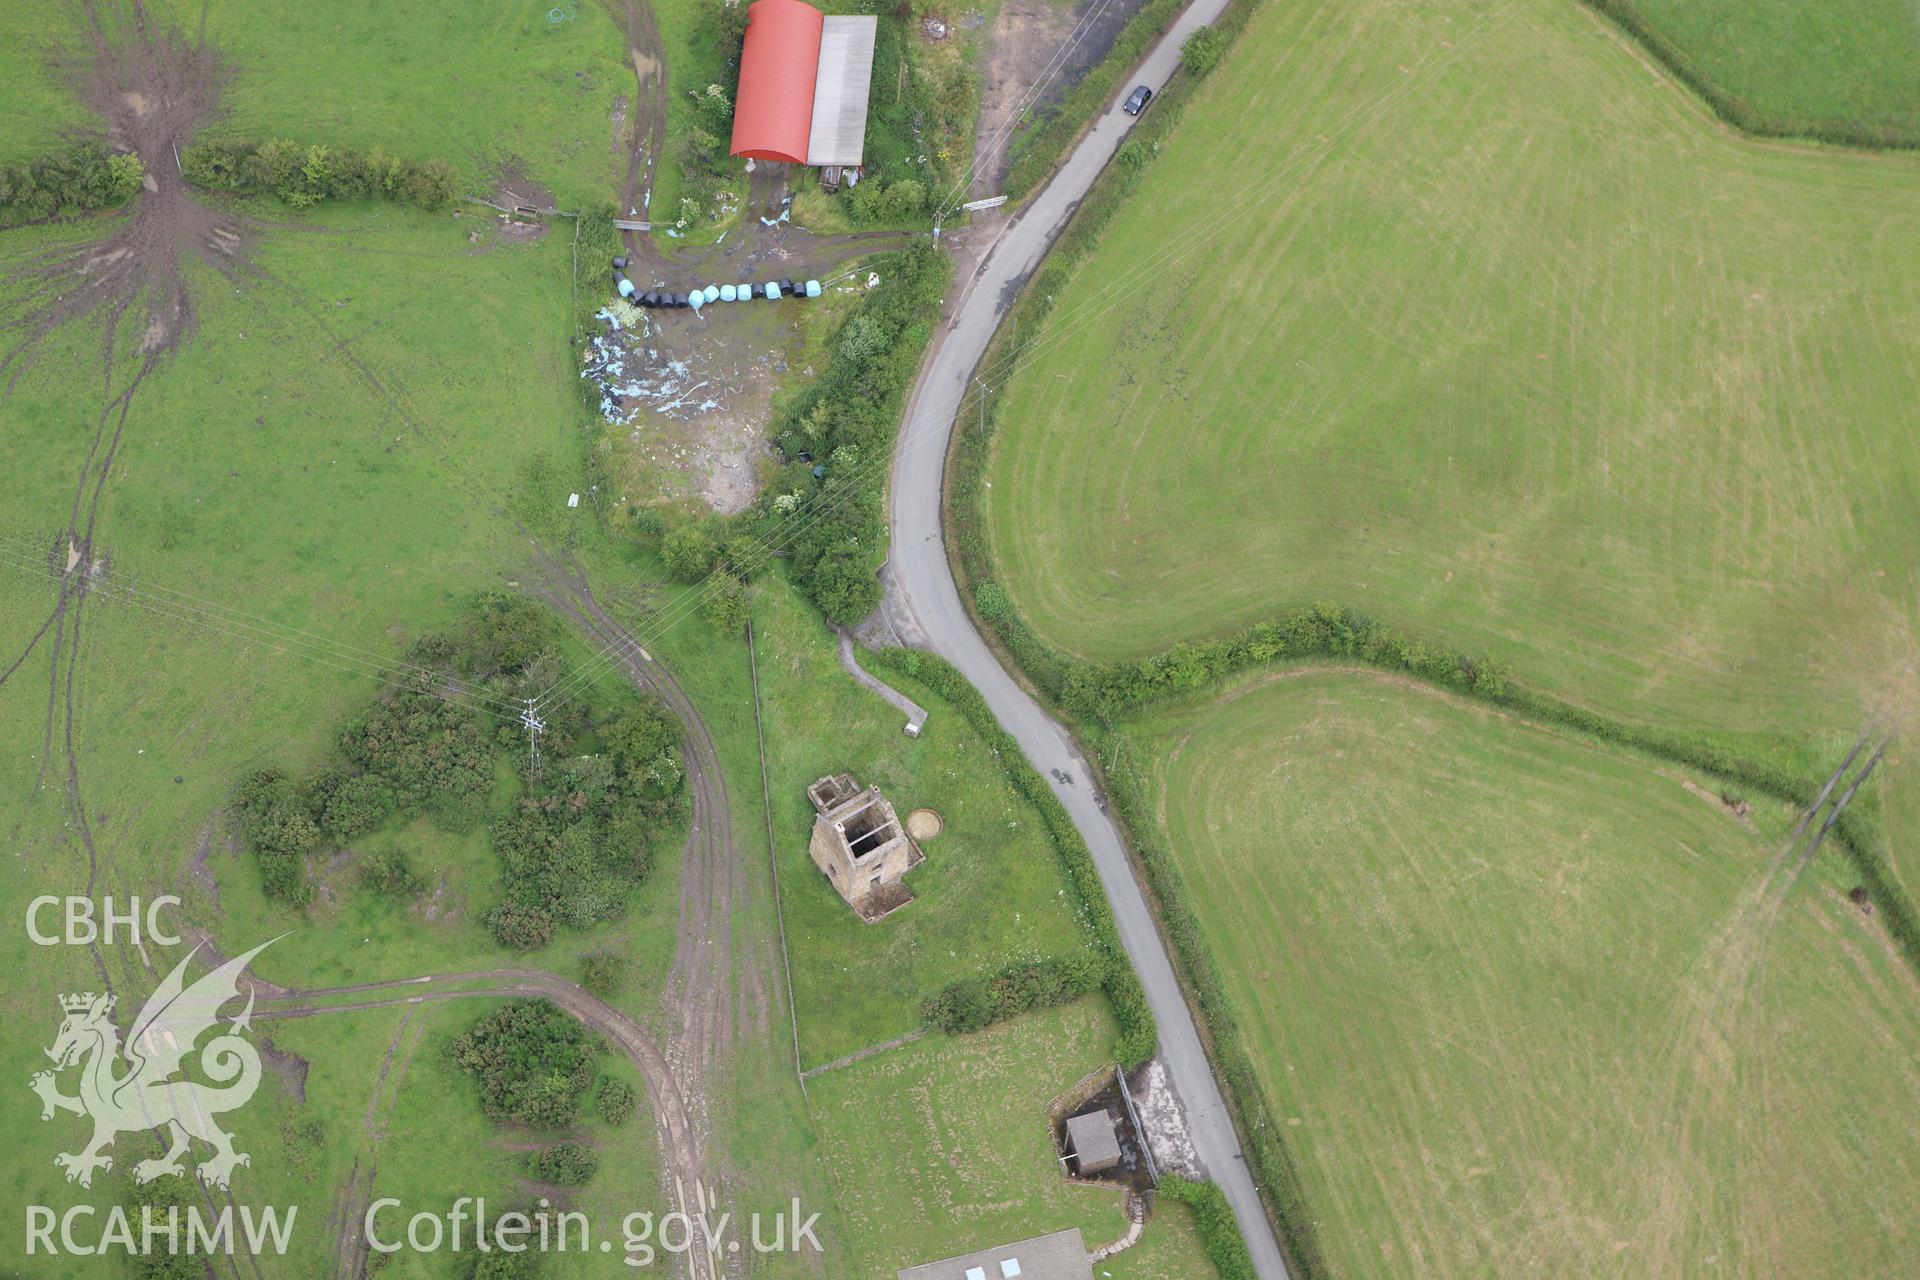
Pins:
x,y
859,844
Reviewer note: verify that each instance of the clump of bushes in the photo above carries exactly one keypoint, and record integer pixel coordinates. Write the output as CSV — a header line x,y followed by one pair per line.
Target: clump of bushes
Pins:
x,y
1203,50
702,148
520,928
847,418
391,872
614,1100
1213,1218
974,1003
80,178
567,1164
497,1264
277,824
603,973
533,1062
578,841
305,176
901,200
154,1201
694,555
303,1137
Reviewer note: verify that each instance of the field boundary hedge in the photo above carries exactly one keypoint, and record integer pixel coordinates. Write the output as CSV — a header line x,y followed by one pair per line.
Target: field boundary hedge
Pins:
x,y
1731,107
304,176
852,410
1213,1218
1138,1036
1089,695
82,177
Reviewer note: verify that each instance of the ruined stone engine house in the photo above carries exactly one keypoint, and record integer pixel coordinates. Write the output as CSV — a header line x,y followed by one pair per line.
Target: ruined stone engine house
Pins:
x,y
860,845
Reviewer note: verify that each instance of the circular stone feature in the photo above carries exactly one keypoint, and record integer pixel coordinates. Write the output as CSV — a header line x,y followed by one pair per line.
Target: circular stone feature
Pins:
x,y
923,824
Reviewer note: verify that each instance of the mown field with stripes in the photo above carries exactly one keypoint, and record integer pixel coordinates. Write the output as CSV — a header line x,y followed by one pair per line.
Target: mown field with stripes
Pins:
x,y
1529,1006
1466,316
1469,317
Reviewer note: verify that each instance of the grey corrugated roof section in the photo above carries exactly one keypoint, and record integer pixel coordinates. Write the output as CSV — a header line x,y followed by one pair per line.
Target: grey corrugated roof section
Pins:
x,y
1060,1256
840,87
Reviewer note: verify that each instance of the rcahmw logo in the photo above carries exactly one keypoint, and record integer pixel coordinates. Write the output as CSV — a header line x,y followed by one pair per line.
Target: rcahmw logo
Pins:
x,y
139,1084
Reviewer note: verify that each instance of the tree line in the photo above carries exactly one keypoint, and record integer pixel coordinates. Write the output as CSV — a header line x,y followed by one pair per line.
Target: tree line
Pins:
x,y
81,178
303,176
846,420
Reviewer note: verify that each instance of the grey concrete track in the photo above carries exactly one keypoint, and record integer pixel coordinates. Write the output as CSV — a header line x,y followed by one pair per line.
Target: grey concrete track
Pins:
x,y
915,713
924,582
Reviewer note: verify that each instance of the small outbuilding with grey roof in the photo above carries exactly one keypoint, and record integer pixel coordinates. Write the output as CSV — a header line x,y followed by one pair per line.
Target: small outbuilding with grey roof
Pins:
x,y
1060,1256
1091,1142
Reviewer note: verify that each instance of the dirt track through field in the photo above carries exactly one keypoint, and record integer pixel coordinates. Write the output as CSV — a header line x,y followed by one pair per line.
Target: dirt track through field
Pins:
x,y
679,1145
714,997
153,90
646,118
1719,1036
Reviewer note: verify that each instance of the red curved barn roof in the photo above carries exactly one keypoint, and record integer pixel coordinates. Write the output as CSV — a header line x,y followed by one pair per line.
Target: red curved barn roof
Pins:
x,y
774,106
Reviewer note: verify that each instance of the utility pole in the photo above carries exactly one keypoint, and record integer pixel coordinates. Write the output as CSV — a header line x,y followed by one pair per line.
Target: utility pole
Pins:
x,y
535,726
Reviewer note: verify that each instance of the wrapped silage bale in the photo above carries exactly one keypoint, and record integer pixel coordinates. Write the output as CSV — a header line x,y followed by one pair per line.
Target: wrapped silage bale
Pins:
x,y
728,293
773,289
813,288
712,293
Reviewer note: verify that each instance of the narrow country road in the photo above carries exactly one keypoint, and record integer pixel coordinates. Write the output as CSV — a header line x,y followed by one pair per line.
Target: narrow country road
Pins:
x,y
925,589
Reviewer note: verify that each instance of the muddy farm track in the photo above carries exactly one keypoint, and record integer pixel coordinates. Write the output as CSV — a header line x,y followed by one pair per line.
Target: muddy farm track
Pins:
x,y
719,988
679,1145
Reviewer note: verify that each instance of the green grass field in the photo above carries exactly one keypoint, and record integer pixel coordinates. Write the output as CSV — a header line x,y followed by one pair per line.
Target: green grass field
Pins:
x,y
349,445
1519,1001
989,895
1806,66
1520,351
474,87
941,1148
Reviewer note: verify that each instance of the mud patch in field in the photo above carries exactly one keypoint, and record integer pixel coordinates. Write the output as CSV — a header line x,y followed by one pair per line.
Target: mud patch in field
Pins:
x,y
153,91
695,397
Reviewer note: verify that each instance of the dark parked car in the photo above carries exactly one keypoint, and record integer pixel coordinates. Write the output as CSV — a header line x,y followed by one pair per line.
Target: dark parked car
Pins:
x,y
1137,100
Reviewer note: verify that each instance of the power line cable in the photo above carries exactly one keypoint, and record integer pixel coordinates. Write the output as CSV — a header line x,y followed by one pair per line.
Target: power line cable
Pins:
x,y
1053,68
237,617
467,696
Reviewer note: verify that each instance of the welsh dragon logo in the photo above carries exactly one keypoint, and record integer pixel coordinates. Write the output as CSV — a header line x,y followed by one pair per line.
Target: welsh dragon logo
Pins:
x,y
146,1095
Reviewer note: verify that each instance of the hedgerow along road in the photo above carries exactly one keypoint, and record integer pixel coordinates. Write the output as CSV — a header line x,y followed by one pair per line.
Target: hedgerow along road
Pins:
x,y
925,588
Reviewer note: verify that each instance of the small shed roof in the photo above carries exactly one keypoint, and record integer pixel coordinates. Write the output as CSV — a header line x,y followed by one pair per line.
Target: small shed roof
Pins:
x,y
1092,1139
